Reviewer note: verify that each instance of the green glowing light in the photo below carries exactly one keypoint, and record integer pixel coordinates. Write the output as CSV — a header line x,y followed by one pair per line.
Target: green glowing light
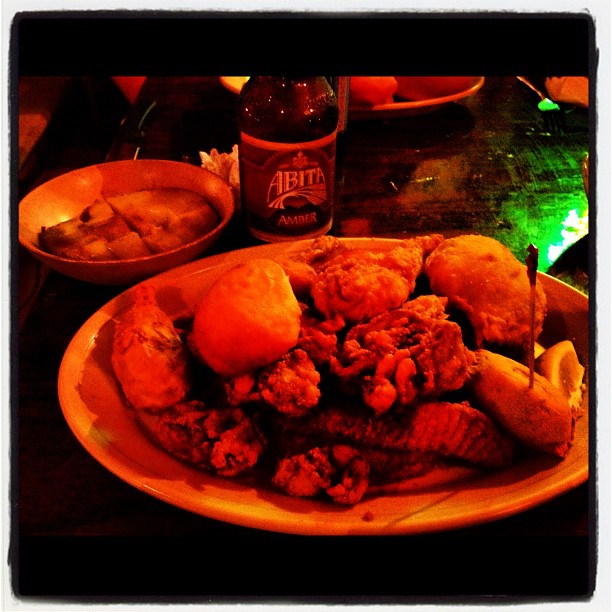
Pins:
x,y
575,227
552,222
548,105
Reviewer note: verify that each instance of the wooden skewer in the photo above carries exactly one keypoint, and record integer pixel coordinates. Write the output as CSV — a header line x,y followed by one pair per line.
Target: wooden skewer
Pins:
x,y
532,269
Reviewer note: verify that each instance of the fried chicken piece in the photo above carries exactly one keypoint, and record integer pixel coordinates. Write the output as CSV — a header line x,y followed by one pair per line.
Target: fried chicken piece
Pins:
x,y
148,356
225,441
359,284
339,471
408,354
447,430
322,250
291,384
484,280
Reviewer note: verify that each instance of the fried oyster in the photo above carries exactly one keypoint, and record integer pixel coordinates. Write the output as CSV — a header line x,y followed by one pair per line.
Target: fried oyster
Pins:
x,y
405,355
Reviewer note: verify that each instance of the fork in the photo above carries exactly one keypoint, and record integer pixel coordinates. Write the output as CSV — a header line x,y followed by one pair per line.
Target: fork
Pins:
x,y
550,111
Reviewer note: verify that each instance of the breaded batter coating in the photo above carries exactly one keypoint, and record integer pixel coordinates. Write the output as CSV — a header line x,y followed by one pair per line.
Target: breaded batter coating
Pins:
x,y
342,372
407,354
450,430
340,471
358,284
225,441
484,280
291,385
149,357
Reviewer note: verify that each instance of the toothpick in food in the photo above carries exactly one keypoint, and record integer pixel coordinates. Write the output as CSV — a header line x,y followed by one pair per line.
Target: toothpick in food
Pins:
x,y
532,269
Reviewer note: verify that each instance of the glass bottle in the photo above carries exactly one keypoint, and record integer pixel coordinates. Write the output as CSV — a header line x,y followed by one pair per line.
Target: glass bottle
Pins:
x,y
288,128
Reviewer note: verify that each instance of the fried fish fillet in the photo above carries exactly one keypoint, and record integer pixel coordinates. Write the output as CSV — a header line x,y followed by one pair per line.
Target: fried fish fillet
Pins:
x,y
454,431
483,279
358,284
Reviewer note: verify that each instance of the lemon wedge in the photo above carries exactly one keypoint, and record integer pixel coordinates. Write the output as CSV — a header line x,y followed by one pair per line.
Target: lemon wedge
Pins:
x,y
560,365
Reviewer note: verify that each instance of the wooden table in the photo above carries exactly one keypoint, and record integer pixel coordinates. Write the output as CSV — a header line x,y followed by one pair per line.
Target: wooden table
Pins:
x,y
483,164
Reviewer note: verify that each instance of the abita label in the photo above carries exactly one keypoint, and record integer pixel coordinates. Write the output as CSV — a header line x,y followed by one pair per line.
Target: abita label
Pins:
x,y
287,189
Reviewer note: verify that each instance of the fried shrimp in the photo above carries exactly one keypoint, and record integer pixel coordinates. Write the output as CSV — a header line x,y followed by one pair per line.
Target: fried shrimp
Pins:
x,y
291,385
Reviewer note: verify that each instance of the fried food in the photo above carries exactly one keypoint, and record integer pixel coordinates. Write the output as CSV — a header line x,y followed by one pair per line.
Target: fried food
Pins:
x,y
149,357
226,441
328,397
249,318
433,429
319,336
540,417
484,280
407,354
291,384
358,284
340,471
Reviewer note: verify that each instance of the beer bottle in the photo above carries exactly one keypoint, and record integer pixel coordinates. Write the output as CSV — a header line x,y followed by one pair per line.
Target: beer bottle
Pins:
x,y
288,128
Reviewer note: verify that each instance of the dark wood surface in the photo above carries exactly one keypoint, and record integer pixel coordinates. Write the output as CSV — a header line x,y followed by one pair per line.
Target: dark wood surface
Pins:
x,y
483,164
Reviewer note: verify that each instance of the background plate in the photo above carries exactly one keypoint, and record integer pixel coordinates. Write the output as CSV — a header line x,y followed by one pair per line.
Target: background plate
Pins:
x,y
458,89
96,412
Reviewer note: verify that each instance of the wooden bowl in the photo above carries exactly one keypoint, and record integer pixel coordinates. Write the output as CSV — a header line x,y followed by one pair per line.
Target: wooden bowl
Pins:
x,y
66,196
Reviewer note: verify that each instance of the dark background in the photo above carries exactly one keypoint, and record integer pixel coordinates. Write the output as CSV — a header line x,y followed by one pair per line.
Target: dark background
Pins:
x,y
220,43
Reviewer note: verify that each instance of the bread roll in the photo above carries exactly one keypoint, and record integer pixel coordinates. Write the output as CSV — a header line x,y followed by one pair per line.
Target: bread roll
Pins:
x,y
248,319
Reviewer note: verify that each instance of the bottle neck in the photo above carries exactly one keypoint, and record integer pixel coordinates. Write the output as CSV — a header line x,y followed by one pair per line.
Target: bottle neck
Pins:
x,y
288,109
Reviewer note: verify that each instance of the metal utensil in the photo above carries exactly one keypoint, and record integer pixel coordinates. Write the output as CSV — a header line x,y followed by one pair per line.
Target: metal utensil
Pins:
x,y
551,111
140,129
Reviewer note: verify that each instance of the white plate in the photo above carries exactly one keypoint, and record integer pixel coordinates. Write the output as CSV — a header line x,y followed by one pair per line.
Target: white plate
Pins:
x,y
95,410
468,87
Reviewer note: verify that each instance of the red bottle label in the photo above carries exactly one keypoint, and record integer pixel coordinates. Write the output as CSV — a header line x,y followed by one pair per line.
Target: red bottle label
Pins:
x,y
287,188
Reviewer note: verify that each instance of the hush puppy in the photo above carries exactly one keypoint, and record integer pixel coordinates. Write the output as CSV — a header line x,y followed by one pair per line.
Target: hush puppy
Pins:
x,y
249,318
